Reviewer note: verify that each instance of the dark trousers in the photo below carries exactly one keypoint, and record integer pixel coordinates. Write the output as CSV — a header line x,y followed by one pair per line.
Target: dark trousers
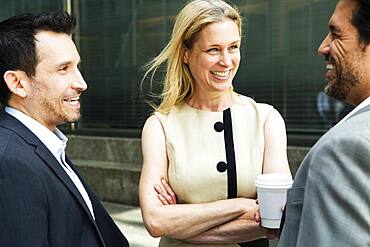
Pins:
x,y
263,242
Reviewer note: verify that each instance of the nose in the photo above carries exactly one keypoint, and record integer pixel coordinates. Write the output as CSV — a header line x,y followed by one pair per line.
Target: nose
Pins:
x,y
324,47
225,59
79,82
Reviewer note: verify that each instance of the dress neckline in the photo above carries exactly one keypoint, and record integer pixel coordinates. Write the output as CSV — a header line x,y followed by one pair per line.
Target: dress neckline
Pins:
x,y
209,111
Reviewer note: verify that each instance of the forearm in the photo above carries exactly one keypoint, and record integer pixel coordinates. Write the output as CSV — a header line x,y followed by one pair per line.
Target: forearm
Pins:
x,y
179,221
184,221
236,231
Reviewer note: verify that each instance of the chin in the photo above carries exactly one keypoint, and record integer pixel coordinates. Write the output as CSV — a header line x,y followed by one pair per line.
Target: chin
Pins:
x,y
336,93
224,87
72,118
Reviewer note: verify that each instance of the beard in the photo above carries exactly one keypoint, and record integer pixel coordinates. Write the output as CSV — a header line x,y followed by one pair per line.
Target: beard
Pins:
x,y
49,108
346,78
58,113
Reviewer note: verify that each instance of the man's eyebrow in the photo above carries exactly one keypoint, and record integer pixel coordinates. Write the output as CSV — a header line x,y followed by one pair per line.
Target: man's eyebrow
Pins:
x,y
64,63
67,62
333,28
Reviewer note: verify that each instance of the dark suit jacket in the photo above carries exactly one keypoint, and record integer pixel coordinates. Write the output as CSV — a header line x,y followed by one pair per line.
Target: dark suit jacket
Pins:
x,y
329,202
39,204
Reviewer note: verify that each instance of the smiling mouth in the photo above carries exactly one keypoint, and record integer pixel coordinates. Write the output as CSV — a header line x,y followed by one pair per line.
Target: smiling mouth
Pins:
x,y
330,66
221,74
74,101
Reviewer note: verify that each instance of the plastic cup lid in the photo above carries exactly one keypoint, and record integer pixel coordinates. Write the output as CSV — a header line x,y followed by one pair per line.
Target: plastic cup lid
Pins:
x,y
274,180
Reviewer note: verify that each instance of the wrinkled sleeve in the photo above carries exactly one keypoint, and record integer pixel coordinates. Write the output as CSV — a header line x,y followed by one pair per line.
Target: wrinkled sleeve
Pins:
x,y
336,209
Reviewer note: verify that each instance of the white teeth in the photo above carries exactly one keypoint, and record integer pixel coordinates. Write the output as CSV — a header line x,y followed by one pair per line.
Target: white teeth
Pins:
x,y
73,102
329,66
221,73
74,99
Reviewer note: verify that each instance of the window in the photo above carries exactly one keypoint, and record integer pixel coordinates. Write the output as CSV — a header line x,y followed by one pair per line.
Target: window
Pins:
x,y
279,65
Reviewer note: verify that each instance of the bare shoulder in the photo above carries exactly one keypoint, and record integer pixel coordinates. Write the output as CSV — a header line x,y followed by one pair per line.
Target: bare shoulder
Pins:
x,y
152,124
153,133
151,121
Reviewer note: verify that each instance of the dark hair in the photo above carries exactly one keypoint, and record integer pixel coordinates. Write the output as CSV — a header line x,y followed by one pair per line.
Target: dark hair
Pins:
x,y
361,20
18,44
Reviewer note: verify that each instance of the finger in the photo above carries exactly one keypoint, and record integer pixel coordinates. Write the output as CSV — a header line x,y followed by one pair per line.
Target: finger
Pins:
x,y
169,191
340,47
167,187
158,189
257,216
163,200
163,193
168,198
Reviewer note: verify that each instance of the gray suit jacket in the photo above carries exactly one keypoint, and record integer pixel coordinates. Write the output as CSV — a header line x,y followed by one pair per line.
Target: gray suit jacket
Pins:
x,y
329,202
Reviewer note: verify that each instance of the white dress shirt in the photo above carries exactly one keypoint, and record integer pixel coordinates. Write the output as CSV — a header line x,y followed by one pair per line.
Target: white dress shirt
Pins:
x,y
56,142
359,107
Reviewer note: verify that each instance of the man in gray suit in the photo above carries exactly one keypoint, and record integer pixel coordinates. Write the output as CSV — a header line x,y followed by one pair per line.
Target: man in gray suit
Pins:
x,y
329,203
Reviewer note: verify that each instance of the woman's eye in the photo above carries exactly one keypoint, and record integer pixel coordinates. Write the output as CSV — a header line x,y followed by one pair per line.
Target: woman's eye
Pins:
x,y
212,50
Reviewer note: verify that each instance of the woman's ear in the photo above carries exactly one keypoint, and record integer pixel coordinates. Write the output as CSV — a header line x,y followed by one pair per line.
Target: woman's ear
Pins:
x,y
16,82
185,57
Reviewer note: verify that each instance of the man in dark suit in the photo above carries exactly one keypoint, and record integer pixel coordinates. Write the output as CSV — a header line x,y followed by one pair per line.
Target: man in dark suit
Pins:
x,y
43,199
329,202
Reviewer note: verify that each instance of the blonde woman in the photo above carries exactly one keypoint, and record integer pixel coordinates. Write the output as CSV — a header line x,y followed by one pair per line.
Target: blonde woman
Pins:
x,y
207,141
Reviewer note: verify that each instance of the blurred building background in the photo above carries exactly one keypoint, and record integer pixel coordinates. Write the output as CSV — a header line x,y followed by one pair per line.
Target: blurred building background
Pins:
x,y
279,62
116,38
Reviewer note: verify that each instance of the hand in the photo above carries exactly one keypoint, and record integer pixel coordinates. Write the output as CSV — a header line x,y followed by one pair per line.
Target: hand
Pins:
x,y
165,193
270,233
257,216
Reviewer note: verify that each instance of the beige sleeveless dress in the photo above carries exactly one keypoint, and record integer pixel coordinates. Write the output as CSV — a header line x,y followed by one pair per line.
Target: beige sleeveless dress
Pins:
x,y
214,155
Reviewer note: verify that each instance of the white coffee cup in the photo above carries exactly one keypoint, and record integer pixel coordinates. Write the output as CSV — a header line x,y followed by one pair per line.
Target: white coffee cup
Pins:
x,y
271,193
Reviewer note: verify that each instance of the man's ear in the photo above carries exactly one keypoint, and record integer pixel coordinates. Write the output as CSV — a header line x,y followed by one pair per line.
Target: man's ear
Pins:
x,y
16,82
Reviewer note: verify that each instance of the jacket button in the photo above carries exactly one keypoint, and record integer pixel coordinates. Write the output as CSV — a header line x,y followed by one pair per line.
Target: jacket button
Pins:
x,y
218,126
221,166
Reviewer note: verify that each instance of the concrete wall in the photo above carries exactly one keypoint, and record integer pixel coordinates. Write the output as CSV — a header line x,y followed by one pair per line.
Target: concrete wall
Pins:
x,y
112,165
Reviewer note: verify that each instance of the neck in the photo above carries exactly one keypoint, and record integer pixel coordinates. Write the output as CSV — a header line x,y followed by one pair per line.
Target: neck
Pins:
x,y
35,116
212,102
358,93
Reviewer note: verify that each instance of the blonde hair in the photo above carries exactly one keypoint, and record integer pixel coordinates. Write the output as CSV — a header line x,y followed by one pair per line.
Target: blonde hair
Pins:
x,y
179,83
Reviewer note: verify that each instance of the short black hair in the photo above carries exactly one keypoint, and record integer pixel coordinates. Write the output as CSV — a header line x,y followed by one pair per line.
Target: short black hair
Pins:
x,y
361,20
18,44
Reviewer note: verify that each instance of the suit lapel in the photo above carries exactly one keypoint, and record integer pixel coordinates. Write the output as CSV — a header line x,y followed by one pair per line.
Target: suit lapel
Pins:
x,y
56,167
93,199
9,122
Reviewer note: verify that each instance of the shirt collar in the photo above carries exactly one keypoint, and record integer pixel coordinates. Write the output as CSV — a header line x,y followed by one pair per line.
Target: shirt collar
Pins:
x,y
55,140
362,105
